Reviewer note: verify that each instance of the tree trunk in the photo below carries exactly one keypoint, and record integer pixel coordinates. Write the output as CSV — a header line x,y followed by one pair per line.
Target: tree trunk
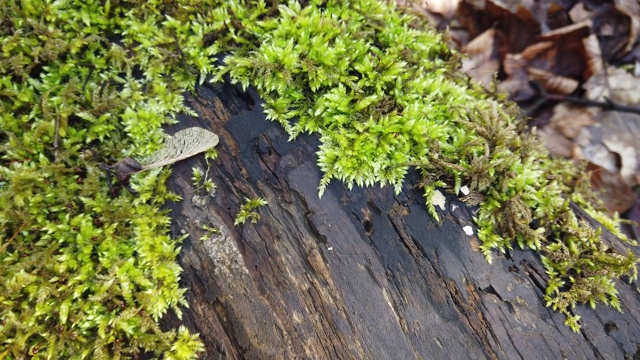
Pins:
x,y
356,274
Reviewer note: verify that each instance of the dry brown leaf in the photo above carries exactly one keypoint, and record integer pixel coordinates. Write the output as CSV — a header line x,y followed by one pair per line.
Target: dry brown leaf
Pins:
x,y
556,15
628,156
512,5
535,50
612,142
446,8
631,8
516,67
547,14
513,21
612,27
593,56
616,84
517,83
557,144
559,58
568,30
546,62
553,83
484,58
616,194
566,57
568,120
579,13
595,152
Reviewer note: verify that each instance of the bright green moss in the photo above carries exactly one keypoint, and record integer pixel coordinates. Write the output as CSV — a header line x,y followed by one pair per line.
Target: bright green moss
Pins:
x,y
85,275
248,211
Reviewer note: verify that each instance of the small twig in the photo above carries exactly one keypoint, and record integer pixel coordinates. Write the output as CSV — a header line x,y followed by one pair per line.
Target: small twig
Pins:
x,y
86,81
56,137
122,172
607,104
5,245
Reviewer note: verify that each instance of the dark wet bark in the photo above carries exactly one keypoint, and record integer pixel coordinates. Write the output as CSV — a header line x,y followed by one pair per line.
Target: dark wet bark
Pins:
x,y
356,274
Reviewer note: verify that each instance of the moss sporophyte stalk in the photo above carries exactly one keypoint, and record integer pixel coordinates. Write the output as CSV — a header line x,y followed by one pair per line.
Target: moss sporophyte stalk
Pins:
x,y
89,82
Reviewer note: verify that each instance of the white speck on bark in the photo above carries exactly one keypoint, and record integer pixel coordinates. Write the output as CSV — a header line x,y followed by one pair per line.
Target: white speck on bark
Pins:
x,y
438,200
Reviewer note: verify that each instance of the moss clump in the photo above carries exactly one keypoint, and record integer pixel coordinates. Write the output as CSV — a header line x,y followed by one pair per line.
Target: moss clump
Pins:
x,y
248,211
82,82
84,275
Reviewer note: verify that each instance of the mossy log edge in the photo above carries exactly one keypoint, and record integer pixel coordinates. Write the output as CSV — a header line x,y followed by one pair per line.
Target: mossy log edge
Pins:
x,y
356,274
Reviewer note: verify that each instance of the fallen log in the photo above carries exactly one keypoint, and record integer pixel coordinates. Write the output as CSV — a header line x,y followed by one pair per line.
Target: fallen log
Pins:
x,y
355,274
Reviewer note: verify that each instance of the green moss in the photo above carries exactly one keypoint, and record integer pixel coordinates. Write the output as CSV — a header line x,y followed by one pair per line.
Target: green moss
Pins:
x,y
248,211
85,275
201,181
83,82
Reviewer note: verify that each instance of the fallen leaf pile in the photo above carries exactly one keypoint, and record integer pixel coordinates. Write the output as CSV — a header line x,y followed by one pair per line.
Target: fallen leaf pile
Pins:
x,y
574,66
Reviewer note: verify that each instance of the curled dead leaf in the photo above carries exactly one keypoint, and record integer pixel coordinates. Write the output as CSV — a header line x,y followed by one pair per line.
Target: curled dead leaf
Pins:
x,y
631,8
553,83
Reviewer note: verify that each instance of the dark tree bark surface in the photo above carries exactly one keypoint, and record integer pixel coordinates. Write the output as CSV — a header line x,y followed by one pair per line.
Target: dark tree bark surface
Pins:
x,y
356,274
